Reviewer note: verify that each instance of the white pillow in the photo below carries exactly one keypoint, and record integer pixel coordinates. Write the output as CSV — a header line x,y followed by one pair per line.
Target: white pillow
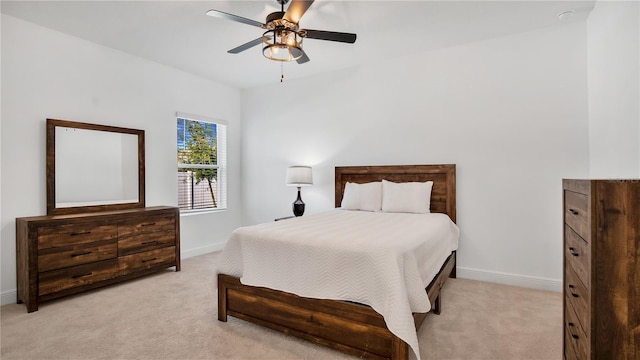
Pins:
x,y
366,196
409,197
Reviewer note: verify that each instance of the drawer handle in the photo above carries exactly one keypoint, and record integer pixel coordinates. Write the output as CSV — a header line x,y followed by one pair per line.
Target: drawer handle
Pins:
x,y
148,224
81,254
574,212
150,242
573,251
79,276
571,287
80,233
572,334
144,261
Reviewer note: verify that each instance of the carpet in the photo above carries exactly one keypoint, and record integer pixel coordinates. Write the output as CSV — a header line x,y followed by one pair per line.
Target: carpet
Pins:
x,y
173,315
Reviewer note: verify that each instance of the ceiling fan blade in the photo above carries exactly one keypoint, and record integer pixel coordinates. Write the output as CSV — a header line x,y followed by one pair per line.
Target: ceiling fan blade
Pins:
x,y
331,36
245,46
236,18
297,9
303,59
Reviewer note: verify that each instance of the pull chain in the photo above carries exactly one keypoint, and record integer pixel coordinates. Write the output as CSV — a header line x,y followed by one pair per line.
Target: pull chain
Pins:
x,y
281,72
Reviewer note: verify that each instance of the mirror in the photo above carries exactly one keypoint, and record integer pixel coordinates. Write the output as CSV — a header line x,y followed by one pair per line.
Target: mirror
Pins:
x,y
93,167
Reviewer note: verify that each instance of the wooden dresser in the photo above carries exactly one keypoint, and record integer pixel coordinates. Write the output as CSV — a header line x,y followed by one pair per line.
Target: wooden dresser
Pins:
x,y
65,254
601,269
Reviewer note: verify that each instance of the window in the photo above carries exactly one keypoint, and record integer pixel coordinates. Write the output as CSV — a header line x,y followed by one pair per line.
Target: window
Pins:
x,y
202,159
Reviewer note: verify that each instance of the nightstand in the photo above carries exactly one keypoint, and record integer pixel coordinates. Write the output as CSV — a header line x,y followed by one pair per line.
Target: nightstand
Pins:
x,y
284,218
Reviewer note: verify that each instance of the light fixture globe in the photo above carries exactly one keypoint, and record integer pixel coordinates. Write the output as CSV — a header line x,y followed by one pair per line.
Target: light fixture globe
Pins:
x,y
282,45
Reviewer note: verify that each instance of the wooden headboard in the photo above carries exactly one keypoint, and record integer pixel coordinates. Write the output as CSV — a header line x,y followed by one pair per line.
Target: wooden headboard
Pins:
x,y
443,195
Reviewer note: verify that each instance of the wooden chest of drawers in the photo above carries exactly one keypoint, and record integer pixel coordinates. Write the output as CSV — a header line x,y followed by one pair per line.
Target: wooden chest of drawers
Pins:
x,y
601,269
66,254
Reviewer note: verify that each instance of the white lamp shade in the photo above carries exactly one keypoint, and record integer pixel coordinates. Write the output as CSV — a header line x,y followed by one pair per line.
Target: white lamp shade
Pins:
x,y
299,176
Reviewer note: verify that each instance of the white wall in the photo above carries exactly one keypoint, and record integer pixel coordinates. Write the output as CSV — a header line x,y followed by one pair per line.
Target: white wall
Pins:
x,y
46,74
613,29
511,112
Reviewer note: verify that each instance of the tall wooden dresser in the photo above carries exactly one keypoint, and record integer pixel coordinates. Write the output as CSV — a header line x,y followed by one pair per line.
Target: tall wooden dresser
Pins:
x,y
601,269
61,255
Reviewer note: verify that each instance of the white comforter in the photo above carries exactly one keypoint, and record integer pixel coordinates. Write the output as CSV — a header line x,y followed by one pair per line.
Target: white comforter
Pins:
x,y
384,260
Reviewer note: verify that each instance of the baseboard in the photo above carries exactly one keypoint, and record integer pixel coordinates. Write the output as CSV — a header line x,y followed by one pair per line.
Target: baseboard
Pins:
x,y
185,254
532,282
8,297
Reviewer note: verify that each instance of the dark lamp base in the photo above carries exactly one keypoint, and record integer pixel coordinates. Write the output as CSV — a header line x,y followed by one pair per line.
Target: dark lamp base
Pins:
x,y
298,205
298,208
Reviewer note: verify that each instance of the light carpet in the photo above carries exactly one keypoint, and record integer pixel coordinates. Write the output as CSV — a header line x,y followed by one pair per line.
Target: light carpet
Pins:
x,y
173,315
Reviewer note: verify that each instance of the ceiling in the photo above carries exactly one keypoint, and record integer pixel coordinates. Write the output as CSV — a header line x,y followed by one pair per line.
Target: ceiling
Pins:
x,y
180,35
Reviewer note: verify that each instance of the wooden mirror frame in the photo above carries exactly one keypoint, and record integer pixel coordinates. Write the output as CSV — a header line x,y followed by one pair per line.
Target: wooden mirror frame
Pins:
x,y
51,168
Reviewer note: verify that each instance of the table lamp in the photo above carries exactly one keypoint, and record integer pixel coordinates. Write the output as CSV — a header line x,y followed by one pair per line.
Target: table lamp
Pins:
x,y
299,176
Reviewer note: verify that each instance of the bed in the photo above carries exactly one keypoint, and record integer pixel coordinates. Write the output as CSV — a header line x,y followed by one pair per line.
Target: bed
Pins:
x,y
347,326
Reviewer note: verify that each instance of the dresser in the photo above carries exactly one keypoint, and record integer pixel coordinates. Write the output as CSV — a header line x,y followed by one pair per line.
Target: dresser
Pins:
x,y
601,269
61,255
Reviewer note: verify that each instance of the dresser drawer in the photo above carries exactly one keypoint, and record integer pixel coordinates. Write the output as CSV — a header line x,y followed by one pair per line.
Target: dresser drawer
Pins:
x,y
577,295
569,346
61,257
148,224
576,342
145,242
576,213
62,279
578,254
72,234
148,259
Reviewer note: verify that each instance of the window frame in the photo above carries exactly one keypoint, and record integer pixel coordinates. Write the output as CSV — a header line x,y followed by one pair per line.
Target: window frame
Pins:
x,y
221,177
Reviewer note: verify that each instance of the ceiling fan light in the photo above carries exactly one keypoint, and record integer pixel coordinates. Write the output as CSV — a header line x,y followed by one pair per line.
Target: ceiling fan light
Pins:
x,y
282,45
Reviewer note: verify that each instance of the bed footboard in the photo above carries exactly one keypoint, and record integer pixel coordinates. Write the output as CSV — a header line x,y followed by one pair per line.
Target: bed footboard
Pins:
x,y
349,327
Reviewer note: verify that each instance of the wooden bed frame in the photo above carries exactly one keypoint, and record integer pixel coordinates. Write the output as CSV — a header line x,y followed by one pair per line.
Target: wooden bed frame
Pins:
x,y
349,327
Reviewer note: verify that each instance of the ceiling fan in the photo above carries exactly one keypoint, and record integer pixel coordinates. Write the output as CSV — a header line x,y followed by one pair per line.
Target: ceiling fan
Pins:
x,y
283,39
